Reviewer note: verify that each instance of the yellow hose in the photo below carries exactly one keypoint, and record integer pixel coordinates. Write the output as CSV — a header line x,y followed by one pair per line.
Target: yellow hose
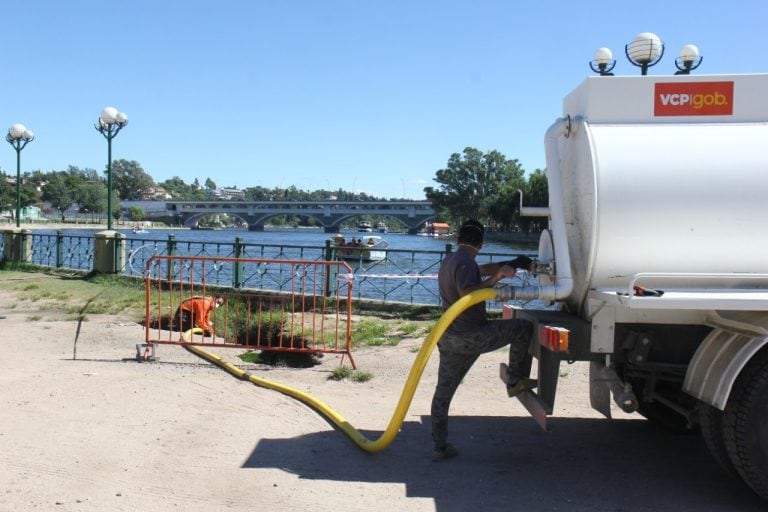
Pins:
x,y
406,397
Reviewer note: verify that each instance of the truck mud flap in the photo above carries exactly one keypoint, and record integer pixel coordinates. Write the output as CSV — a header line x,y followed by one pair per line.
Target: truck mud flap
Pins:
x,y
540,403
536,407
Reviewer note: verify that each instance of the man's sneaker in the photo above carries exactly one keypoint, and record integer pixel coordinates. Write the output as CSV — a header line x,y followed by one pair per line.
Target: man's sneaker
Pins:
x,y
521,385
445,453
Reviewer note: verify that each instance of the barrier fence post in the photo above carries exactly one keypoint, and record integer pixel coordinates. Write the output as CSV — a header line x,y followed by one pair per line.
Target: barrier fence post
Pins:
x,y
238,267
329,269
119,252
59,248
171,250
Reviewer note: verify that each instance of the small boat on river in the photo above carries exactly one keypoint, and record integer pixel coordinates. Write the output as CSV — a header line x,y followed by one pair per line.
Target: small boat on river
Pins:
x,y
364,249
364,226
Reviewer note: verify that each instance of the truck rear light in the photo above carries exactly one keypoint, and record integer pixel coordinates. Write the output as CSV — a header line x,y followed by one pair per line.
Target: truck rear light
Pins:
x,y
554,338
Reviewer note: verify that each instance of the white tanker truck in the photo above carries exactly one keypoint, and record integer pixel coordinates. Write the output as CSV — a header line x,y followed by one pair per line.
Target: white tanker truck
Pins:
x,y
655,261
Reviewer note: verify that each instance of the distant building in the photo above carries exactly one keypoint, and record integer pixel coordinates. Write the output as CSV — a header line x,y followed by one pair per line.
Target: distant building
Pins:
x,y
156,193
227,193
27,214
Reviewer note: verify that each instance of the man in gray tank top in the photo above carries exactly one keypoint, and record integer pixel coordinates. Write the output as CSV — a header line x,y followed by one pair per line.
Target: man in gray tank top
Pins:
x,y
471,333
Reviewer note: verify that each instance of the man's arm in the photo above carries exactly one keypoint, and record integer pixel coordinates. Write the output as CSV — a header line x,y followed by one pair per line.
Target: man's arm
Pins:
x,y
522,262
500,272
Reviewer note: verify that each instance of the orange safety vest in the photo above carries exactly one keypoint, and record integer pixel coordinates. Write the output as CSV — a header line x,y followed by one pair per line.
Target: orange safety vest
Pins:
x,y
200,309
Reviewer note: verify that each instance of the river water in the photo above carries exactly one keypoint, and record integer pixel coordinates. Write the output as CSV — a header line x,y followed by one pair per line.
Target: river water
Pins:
x,y
315,238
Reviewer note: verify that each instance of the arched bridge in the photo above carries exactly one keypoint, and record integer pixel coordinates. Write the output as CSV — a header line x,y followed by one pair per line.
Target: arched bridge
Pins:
x,y
328,214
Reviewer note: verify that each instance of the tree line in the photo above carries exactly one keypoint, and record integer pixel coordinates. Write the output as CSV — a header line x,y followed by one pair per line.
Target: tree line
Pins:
x,y
487,187
472,185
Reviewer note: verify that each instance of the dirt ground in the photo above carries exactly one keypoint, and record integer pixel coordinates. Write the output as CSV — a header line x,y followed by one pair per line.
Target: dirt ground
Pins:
x,y
101,431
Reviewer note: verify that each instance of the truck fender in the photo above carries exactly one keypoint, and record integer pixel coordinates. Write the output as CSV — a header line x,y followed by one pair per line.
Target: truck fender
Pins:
x,y
722,355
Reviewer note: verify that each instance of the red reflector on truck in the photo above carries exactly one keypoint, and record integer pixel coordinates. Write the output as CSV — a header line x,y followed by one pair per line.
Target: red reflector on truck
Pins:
x,y
554,338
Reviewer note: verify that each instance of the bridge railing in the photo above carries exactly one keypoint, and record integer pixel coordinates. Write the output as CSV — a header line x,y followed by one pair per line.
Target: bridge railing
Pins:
x,y
404,276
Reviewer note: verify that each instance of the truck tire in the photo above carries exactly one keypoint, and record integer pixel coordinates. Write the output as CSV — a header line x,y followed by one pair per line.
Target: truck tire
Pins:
x,y
745,424
711,421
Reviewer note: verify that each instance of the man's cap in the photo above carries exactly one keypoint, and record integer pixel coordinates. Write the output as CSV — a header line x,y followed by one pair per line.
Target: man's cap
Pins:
x,y
471,232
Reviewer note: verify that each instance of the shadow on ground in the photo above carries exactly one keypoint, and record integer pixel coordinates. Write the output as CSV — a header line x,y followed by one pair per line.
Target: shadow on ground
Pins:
x,y
510,464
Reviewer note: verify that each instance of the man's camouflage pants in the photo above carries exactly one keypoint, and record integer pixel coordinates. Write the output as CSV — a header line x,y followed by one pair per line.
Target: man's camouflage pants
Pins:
x,y
458,352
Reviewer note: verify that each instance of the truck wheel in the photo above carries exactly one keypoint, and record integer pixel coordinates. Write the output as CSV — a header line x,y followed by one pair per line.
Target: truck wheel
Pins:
x,y
745,424
711,421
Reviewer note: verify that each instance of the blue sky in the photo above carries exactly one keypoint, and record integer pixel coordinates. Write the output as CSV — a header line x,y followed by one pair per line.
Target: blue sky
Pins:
x,y
368,96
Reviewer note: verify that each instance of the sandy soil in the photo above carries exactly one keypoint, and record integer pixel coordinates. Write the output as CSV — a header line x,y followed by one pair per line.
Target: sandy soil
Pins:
x,y
101,431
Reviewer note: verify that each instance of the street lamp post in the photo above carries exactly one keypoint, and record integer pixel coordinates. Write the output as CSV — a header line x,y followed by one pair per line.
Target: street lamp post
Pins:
x,y
110,122
18,137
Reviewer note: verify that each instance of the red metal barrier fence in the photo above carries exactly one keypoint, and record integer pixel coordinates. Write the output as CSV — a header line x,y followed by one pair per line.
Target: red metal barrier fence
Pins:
x,y
275,305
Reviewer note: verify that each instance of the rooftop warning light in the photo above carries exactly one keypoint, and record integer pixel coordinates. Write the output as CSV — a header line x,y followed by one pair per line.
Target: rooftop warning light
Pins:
x,y
645,50
688,59
603,62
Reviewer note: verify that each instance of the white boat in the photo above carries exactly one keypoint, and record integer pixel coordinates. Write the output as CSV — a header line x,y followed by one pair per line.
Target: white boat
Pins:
x,y
381,227
364,249
364,226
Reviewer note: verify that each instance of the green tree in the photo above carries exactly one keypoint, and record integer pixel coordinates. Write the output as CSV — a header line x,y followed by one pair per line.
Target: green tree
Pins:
x,y
537,189
61,191
536,193
257,194
136,213
130,180
472,184
30,196
210,184
7,194
506,210
92,197
178,189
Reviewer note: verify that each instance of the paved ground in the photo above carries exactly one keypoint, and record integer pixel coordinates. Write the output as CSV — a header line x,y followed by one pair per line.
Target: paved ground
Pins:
x,y
103,432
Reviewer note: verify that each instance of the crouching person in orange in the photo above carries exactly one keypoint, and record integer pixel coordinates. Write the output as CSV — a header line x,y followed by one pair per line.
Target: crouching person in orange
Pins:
x,y
196,312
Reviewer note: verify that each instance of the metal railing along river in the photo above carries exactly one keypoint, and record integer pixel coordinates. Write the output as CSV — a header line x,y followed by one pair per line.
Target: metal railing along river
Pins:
x,y
406,276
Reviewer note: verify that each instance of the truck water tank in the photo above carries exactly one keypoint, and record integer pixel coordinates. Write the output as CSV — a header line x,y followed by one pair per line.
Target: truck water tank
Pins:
x,y
664,174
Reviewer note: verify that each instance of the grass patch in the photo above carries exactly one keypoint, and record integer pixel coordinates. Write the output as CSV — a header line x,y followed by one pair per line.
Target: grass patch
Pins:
x,y
70,292
359,376
372,333
343,373
251,357
340,373
34,318
409,328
